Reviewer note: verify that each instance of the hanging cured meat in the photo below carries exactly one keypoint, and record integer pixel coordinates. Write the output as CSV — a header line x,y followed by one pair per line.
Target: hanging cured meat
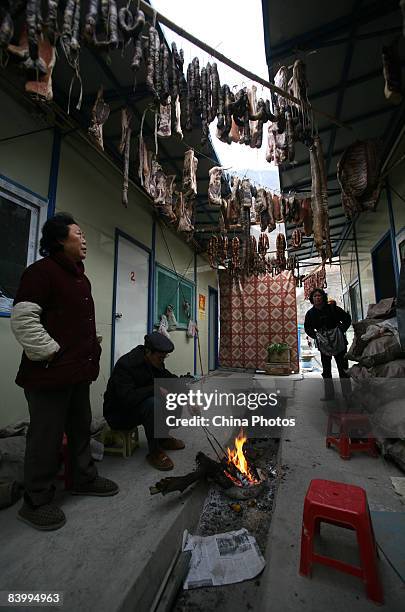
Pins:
x,y
316,201
124,148
101,24
212,251
306,216
159,196
277,150
281,81
204,106
183,215
277,209
235,266
190,173
358,176
99,115
6,27
260,204
392,71
167,207
280,248
246,193
271,224
165,119
214,188
41,87
402,7
131,24
296,239
234,204
324,194
263,246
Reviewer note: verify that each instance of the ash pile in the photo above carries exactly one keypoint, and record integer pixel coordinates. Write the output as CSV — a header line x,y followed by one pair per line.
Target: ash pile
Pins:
x,y
225,511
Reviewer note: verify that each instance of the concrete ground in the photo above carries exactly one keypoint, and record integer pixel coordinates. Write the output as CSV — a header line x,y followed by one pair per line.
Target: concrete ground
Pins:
x,y
304,455
113,553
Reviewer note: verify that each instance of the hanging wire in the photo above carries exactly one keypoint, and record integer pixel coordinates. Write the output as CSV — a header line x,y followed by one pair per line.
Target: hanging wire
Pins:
x,y
180,278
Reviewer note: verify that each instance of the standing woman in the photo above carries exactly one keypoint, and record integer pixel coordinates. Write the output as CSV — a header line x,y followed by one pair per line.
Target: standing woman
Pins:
x,y
327,325
54,321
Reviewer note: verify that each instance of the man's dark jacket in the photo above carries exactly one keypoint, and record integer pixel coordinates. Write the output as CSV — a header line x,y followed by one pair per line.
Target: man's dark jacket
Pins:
x,y
327,317
60,287
131,382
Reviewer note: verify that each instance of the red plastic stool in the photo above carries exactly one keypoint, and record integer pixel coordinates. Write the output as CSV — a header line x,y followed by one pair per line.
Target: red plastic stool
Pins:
x,y
345,506
66,475
342,440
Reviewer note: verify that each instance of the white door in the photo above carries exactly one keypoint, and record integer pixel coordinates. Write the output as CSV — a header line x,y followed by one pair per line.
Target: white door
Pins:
x,y
130,316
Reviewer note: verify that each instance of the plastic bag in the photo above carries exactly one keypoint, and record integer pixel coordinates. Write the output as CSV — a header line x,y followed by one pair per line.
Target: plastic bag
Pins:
x,y
164,326
171,319
192,329
331,341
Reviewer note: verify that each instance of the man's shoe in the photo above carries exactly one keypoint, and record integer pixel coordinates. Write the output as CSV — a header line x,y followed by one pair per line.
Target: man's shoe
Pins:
x,y
159,460
171,443
46,518
100,487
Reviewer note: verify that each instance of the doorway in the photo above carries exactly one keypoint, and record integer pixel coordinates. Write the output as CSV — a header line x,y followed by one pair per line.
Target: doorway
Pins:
x,y
383,269
131,314
212,329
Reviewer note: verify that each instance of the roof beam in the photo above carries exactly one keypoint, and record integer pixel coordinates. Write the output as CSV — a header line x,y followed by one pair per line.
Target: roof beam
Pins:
x,y
304,41
362,117
340,41
363,78
343,79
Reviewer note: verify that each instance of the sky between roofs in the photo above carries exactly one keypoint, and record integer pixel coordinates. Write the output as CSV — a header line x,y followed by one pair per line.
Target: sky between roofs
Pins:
x,y
235,28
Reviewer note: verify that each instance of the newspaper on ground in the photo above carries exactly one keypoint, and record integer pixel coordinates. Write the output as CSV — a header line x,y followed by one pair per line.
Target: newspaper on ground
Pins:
x,y
398,482
224,558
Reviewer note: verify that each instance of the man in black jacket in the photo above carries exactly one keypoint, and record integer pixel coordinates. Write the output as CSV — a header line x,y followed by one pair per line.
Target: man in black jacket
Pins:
x,y
324,316
129,398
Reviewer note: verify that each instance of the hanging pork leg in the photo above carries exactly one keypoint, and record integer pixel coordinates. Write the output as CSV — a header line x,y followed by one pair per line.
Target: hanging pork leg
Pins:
x,y
324,188
316,201
124,148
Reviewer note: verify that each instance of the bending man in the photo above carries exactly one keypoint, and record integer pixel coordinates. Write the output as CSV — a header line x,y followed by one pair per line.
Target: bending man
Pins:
x,y
129,398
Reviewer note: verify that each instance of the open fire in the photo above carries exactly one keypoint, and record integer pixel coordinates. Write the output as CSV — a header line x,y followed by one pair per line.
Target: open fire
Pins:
x,y
238,469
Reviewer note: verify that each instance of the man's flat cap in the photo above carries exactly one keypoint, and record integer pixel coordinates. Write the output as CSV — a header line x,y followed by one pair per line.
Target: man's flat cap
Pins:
x,y
158,342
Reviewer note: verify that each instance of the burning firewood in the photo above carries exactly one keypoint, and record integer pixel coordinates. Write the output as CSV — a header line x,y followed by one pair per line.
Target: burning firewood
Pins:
x,y
232,472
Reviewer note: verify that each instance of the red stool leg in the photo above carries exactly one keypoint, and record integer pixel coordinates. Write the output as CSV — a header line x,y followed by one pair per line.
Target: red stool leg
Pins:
x,y
344,446
368,556
373,447
307,542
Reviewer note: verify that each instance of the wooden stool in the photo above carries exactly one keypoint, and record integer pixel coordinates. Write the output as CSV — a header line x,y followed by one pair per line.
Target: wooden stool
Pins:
x,y
345,506
347,423
119,441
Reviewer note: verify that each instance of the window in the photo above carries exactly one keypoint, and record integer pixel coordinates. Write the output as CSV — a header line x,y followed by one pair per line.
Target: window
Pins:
x,y
176,291
383,269
20,217
355,302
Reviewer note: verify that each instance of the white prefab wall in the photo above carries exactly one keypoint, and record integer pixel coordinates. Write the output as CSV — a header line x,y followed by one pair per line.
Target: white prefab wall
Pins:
x,y
90,188
24,160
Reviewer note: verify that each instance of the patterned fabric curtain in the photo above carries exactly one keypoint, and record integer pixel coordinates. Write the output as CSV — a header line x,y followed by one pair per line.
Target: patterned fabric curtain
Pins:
x,y
254,312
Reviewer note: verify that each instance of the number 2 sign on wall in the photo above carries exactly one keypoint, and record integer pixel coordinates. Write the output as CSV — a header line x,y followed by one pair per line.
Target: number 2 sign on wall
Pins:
x,y
132,276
